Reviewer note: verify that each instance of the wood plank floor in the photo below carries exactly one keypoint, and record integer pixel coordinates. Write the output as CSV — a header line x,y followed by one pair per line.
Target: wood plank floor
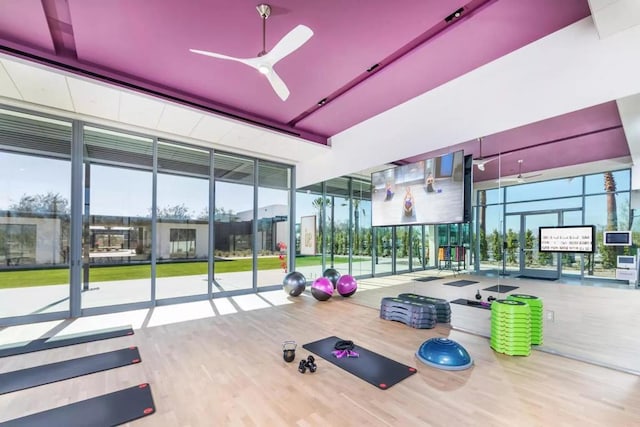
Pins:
x,y
597,324
228,370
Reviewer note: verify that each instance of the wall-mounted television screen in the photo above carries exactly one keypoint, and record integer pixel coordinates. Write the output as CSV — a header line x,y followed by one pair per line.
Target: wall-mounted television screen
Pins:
x,y
430,191
617,238
571,238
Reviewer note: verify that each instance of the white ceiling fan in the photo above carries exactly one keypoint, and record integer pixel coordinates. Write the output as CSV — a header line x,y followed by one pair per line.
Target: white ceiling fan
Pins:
x,y
520,179
481,161
265,61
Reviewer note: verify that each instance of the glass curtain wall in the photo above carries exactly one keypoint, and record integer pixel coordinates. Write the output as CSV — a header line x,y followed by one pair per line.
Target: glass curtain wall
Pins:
x,y
338,237
274,186
402,245
118,207
601,199
233,222
362,234
607,206
384,250
309,230
182,221
418,256
143,211
35,201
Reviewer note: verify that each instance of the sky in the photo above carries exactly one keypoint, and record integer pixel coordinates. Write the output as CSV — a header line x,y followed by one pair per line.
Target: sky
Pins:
x,y
121,191
127,192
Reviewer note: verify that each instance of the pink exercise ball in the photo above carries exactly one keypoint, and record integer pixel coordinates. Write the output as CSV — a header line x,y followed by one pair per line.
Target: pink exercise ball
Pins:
x,y
346,285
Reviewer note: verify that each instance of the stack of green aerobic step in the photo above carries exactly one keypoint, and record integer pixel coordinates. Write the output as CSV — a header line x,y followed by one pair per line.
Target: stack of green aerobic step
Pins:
x,y
511,327
535,304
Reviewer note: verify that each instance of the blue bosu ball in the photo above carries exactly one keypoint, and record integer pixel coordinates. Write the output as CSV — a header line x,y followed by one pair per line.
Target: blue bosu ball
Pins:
x,y
443,353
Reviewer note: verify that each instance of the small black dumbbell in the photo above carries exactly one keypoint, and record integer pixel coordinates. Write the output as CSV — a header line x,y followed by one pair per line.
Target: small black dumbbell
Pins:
x,y
311,364
302,367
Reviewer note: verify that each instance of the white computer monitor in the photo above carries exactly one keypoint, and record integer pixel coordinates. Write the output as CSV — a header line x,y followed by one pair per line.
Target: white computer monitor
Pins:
x,y
617,238
627,261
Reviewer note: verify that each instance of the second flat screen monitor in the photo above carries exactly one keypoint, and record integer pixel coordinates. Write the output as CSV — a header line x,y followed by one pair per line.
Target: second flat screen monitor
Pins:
x,y
430,191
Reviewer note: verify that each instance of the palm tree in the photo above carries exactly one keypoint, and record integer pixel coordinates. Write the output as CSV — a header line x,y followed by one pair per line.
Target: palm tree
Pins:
x,y
320,204
609,252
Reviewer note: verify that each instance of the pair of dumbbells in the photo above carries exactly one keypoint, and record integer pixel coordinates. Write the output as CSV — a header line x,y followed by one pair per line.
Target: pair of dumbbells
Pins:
x,y
479,297
289,355
308,363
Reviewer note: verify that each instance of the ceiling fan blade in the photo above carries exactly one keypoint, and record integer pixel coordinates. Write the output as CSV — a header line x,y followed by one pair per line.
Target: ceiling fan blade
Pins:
x,y
509,179
482,162
531,176
278,85
290,42
220,56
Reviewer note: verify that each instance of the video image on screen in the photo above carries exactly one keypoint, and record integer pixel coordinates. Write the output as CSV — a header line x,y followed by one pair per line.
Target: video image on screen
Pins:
x,y
427,192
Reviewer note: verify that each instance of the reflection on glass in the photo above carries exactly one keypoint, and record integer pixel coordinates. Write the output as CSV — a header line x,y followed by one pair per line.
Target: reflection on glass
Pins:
x,y
34,233
430,246
565,187
361,203
337,211
572,263
274,182
418,255
608,181
543,205
490,236
384,249
607,212
183,221
511,251
402,248
233,216
117,243
308,237
117,182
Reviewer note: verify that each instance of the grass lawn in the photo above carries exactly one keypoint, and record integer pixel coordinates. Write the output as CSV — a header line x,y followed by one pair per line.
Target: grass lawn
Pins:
x,y
27,278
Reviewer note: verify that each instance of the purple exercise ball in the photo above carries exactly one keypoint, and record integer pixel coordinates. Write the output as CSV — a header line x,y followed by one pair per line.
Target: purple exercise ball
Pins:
x,y
322,289
347,285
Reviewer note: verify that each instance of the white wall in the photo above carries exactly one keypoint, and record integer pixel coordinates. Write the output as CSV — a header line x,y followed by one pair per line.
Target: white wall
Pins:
x,y
566,71
48,234
164,242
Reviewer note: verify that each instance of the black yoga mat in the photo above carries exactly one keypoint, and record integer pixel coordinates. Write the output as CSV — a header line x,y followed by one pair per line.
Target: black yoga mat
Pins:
x,y
460,283
107,410
551,279
45,374
426,279
501,288
55,342
471,303
371,367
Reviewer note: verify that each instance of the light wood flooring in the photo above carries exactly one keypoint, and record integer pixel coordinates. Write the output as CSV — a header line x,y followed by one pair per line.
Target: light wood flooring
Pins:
x,y
596,324
228,371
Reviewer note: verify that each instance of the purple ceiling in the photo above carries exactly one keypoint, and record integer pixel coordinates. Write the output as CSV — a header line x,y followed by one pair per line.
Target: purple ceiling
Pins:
x,y
583,136
146,44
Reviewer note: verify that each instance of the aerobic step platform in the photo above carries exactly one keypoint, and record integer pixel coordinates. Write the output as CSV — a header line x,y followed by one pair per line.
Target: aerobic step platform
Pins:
x,y
511,327
416,315
537,315
443,309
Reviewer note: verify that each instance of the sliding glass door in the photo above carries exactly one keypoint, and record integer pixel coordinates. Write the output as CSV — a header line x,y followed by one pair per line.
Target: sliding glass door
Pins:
x,y
35,201
118,188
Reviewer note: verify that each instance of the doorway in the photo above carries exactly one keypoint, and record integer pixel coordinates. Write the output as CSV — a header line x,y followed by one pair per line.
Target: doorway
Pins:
x,y
521,256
